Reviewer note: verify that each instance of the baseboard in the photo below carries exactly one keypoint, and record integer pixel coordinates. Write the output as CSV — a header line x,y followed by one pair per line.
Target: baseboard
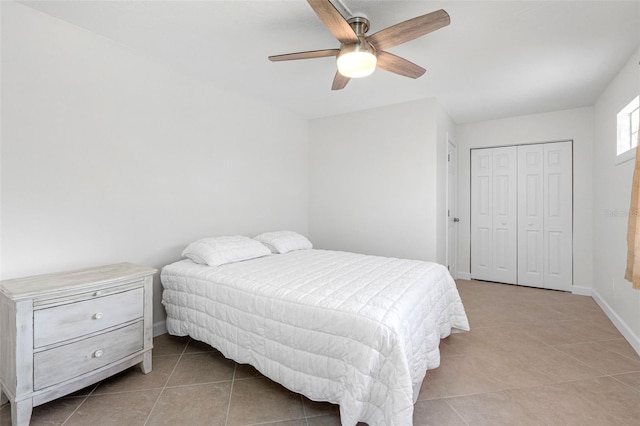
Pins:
x,y
159,328
464,275
581,291
619,323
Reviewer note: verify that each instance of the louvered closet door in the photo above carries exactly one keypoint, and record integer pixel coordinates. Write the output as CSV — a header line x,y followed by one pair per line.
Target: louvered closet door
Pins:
x,y
494,214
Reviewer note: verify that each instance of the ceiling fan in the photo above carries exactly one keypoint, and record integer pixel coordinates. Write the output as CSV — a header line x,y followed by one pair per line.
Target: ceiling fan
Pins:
x,y
359,54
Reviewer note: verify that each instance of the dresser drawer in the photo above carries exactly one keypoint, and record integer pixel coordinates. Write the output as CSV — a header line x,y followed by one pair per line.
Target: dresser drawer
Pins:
x,y
68,361
64,322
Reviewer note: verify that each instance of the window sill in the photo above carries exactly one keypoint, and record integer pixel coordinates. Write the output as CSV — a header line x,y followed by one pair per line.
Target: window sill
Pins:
x,y
626,156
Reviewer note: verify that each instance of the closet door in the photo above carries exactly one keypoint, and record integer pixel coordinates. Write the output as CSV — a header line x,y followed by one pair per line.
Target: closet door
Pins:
x,y
545,215
558,216
494,214
531,215
481,213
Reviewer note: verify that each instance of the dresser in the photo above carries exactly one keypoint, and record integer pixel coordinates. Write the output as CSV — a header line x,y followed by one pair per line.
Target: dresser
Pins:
x,y
62,332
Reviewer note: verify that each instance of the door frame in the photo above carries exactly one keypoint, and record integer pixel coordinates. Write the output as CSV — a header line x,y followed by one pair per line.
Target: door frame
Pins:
x,y
451,232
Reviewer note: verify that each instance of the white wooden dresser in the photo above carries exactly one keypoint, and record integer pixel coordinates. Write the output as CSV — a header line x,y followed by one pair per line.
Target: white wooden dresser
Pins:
x,y
62,332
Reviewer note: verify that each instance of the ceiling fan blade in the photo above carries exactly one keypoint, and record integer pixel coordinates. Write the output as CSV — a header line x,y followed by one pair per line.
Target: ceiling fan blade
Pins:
x,y
339,81
390,62
304,55
334,21
409,30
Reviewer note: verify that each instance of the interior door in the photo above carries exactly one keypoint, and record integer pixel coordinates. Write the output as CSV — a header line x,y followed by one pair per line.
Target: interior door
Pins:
x,y
494,214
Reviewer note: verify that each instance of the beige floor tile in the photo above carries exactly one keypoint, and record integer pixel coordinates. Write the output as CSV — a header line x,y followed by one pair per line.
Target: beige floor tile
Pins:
x,y
598,356
245,371
192,405
497,317
5,414
579,309
622,347
493,409
456,376
517,369
195,346
131,409
555,406
603,324
205,367
314,408
133,379
296,422
327,420
459,344
550,313
50,414
530,366
538,296
619,403
630,379
435,412
556,365
167,344
488,339
84,391
55,412
565,332
599,401
501,339
260,401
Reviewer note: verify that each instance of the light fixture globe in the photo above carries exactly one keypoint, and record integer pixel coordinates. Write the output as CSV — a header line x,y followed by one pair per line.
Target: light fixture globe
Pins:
x,y
357,60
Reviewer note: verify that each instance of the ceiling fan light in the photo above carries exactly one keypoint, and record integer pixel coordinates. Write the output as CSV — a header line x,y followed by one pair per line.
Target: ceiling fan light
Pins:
x,y
356,62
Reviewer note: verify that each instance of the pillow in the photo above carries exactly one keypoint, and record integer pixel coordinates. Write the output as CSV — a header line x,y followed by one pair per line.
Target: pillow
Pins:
x,y
284,241
216,251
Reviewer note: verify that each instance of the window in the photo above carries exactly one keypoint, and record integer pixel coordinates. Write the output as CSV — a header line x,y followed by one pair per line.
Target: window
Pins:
x,y
628,119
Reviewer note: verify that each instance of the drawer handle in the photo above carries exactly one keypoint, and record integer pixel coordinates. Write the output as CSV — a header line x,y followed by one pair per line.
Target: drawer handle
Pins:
x,y
98,293
98,353
97,315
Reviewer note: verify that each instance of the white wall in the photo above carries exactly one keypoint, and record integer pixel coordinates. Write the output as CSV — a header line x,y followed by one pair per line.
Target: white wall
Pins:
x,y
612,194
107,156
576,125
374,181
445,131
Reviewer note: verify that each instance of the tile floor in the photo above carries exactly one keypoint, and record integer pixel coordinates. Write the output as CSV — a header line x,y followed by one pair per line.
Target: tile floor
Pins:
x,y
536,357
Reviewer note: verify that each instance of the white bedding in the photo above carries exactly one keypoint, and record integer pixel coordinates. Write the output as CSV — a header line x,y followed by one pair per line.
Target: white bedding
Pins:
x,y
359,331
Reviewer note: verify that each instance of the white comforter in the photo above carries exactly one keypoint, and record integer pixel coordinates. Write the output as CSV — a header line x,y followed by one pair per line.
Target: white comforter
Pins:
x,y
359,331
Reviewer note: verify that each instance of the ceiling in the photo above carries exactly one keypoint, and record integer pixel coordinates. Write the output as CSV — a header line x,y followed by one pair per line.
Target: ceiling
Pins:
x,y
496,58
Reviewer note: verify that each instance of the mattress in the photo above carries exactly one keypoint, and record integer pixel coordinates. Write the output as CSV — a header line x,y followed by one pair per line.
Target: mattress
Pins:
x,y
355,330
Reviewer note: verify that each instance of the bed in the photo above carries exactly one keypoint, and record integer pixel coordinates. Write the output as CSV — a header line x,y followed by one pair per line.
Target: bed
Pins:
x,y
355,330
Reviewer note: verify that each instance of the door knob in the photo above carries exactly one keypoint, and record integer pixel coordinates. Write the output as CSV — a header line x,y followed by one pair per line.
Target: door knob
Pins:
x,y
456,219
